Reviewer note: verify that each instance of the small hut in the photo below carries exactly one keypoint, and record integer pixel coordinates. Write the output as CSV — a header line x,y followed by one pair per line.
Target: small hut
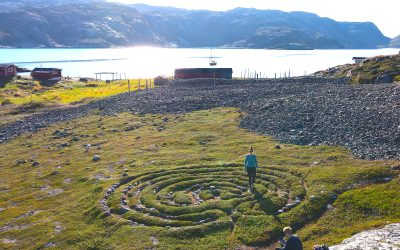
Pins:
x,y
8,70
195,73
46,73
358,60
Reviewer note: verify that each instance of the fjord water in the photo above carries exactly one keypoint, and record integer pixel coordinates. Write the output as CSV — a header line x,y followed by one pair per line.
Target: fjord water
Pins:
x,y
141,62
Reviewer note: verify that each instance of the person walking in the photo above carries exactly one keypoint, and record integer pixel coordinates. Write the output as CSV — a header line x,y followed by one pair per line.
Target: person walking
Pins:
x,y
251,165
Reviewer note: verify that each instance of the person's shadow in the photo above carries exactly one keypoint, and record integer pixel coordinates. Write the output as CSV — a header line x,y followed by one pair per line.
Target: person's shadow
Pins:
x,y
265,203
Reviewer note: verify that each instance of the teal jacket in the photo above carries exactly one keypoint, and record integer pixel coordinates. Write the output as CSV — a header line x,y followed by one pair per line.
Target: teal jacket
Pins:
x,y
250,161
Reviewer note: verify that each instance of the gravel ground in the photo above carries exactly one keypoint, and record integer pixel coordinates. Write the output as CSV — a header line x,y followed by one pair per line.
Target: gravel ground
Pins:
x,y
304,111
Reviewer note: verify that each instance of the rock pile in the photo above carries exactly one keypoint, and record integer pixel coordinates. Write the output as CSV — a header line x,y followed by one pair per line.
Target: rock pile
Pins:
x,y
304,111
384,238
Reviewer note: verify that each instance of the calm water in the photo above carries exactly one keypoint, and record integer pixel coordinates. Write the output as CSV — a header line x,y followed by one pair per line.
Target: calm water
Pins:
x,y
149,62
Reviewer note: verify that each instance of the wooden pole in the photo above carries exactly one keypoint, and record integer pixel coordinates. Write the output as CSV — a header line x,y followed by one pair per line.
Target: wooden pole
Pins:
x,y
214,78
129,86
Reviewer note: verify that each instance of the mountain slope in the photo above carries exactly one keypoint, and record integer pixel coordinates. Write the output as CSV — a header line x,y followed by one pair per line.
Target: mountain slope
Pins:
x,y
75,25
82,23
395,42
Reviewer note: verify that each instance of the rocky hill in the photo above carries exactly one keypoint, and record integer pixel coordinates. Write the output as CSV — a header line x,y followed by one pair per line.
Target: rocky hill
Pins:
x,y
82,23
395,43
380,69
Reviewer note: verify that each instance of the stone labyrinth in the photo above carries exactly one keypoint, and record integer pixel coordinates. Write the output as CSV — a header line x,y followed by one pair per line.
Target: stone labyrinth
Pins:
x,y
201,196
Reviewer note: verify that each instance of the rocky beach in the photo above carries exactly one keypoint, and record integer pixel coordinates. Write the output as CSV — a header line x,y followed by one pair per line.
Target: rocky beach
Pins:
x,y
303,111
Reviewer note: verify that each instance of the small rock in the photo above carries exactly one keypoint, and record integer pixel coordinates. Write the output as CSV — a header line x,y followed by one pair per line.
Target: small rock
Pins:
x,y
124,210
96,158
19,162
35,164
277,146
64,145
387,179
394,168
75,138
58,229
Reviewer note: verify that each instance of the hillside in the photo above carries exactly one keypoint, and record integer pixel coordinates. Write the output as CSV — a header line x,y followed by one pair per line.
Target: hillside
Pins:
x,y
380,69
395,42
80,23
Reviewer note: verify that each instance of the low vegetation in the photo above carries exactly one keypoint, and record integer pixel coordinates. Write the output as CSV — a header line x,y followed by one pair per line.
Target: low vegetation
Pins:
x,y
182,180
20,98
67,91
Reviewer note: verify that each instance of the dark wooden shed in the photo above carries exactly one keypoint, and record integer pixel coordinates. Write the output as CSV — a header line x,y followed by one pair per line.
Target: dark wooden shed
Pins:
x,y
46,73
194,73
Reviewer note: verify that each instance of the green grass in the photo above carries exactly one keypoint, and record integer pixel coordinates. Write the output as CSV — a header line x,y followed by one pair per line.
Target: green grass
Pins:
x,y
207,147
355,211
64,92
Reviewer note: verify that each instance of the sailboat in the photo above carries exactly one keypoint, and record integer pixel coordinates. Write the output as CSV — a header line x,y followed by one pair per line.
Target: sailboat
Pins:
x,y
213,62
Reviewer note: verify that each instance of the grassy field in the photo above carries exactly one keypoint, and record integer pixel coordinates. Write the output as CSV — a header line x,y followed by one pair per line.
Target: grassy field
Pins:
x,y
23,97
51,188
64,92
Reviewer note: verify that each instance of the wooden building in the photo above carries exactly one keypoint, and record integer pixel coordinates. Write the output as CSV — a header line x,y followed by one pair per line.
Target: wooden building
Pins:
x,y
358,60
194,73
46,73
8,70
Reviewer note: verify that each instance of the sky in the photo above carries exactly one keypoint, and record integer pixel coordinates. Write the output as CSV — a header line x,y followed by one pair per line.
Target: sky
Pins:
x,y
384,13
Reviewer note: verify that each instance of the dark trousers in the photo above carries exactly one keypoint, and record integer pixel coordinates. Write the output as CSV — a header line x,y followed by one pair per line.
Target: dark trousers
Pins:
x,y
251,172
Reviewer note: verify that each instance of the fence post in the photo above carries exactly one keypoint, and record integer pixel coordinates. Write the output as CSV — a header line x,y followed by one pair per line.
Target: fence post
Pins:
x,y
129,86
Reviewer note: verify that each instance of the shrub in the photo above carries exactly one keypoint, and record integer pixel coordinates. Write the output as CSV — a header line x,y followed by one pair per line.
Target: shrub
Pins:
x,y
6,102
397,78
29,107
364,78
